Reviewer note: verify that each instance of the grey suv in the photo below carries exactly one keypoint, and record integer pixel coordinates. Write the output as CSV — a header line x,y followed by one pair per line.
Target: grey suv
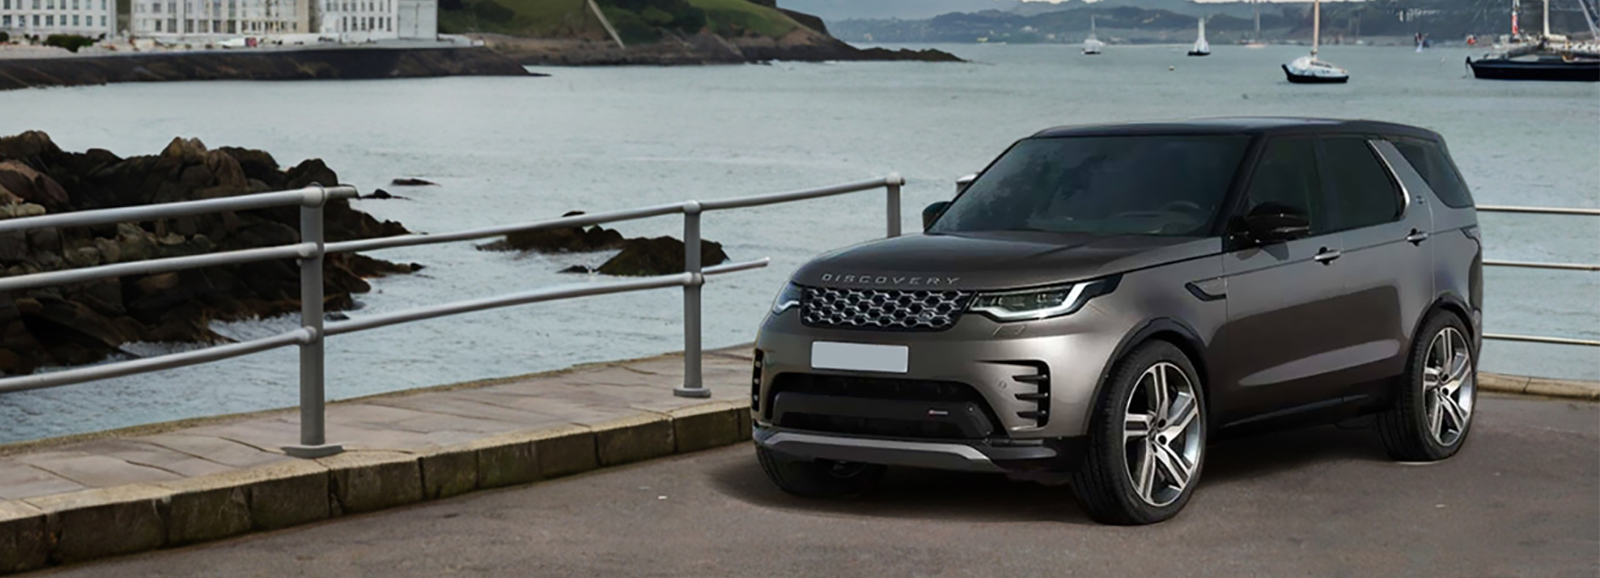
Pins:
x,y
1101,301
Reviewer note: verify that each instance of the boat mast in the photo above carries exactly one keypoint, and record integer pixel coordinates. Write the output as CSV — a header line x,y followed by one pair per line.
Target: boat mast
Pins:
x,y
1257,4
1547,18
1516,7
1316,26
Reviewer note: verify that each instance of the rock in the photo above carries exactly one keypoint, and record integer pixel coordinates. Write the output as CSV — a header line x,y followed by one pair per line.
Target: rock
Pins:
x,y
83,257
412,182
585,269
23,182
308,172
569,240
380,194
88,321
658,256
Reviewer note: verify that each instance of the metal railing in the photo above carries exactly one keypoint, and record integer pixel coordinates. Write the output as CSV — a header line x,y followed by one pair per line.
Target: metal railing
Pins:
x,y
1537,265
312,248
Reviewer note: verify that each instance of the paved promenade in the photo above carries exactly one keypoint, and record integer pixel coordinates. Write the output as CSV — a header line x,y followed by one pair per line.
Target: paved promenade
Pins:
x,y
87,497
1522,499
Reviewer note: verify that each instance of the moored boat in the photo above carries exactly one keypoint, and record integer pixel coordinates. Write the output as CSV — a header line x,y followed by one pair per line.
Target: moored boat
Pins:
x,y
1310,70
1201,47
1092,45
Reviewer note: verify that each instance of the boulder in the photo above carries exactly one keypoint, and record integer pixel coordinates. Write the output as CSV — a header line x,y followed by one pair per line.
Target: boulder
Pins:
x,y
20,181
411,182
568,240
83,323
658,256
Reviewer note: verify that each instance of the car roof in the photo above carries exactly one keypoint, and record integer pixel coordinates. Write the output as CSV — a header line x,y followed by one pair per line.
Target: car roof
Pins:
x,y
1239,125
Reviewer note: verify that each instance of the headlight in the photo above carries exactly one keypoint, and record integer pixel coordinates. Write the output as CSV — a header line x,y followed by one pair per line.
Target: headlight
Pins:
x,y
1040,303
788,298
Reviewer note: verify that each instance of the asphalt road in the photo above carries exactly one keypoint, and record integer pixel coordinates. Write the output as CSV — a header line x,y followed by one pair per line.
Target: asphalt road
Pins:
x,y
1522,499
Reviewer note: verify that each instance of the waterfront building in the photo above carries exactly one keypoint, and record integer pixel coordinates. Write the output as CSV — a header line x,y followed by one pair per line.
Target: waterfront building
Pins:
x,y
215,19
92,18
373,20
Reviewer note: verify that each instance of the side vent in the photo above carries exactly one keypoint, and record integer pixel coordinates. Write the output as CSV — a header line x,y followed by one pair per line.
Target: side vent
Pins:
x,y
1039,397
755,384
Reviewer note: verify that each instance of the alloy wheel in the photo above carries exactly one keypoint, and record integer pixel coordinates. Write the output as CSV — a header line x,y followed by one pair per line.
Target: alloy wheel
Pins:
x,y
1448,385
1161,434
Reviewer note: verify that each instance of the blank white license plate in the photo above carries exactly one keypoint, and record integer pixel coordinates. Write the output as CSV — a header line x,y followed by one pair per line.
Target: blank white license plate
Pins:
x,y
860,357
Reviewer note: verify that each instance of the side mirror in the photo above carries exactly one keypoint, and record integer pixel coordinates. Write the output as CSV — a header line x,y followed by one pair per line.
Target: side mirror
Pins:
x,y
963,182
1269,223
931,214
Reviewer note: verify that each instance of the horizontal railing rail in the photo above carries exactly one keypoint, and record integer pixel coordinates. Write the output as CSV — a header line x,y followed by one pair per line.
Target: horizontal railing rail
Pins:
x,y
312,248
1537,265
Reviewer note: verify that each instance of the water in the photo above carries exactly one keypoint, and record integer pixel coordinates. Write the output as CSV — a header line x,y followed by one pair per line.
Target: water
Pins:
x,y
514,149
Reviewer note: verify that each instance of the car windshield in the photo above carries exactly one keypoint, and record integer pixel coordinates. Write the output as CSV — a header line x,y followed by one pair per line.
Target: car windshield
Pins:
x,y
1104,185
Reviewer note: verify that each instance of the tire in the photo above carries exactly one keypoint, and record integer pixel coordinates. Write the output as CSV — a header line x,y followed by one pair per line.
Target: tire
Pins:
x,y
1417,427
1174,440
819,478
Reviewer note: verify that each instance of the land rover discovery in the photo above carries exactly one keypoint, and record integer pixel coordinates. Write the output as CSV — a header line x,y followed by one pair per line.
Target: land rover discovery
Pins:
x,y
1100,301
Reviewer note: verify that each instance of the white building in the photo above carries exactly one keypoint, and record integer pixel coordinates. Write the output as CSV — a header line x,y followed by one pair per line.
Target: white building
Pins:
x,y
418,19
372,20
91,18
358,20
214,19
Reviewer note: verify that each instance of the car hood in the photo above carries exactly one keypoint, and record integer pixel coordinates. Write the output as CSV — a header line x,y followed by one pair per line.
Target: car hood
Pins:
x,y
995,260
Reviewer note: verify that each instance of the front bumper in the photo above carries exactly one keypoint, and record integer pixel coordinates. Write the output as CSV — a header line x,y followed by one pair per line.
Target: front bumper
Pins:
x,y
957,455
1035,380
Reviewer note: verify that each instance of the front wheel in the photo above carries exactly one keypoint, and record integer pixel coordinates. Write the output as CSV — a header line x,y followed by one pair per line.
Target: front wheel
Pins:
x,y
1147,439
1432,412
818,478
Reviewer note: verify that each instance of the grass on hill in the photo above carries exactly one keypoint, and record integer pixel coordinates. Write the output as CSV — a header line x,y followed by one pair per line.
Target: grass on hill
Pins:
x,y
637,21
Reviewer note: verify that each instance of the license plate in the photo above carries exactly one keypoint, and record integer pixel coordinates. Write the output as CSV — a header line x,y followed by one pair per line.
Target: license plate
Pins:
x,y
860,357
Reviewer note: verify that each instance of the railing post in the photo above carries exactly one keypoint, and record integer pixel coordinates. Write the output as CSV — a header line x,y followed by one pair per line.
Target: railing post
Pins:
x,y
692,387
893,183
313,433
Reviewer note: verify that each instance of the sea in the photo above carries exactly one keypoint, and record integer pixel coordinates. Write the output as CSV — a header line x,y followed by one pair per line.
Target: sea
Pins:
x,y
507,150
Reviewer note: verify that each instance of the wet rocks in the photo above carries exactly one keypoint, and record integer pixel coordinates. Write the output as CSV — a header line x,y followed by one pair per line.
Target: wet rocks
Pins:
x,y
638,257
84,323
658,256
411,182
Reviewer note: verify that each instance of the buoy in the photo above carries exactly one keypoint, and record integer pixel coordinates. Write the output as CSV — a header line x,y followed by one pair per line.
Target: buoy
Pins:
x,y
1171,68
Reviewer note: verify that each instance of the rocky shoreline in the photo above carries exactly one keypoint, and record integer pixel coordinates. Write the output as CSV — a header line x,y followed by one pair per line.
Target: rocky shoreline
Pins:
x,y
85,323
309,64
799,46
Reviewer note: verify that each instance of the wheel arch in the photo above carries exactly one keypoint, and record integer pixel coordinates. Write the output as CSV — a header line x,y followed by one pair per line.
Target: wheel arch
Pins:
x,y
1179,334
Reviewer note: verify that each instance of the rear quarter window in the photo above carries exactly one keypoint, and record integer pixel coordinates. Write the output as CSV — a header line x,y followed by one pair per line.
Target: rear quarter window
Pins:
x,y
1430,160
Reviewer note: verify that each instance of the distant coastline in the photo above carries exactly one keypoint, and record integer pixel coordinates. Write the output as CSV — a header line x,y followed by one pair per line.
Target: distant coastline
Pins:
x,y
285,64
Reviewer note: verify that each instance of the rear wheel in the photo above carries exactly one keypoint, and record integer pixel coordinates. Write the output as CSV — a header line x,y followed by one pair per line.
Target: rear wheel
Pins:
x,y
818,478
1432,412
1147,440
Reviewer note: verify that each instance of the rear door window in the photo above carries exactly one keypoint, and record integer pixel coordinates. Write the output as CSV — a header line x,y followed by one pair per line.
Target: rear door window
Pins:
x,y
1287,175
1363,192
1430,161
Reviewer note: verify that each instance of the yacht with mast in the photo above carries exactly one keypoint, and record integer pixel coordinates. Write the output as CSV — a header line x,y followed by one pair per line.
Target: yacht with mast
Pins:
x,y
1091,45
1543,57
1201,47
1310,70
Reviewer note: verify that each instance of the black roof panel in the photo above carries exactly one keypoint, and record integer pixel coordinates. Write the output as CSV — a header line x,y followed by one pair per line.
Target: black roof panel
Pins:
x,y
1238,125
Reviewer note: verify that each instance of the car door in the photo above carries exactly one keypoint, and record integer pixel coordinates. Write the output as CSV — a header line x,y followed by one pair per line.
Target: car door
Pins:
x,y
1282,297
1387,262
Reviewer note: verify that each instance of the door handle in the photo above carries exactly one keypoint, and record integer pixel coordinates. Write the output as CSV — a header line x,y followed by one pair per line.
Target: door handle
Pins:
x,y
1325,256
1416,237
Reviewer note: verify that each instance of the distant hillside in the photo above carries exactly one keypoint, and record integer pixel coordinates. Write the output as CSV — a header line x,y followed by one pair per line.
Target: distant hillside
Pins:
x,y
837,10
1136,21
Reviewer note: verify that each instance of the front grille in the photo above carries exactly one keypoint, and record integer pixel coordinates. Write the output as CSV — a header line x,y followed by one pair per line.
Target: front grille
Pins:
x,y
875,388
887,309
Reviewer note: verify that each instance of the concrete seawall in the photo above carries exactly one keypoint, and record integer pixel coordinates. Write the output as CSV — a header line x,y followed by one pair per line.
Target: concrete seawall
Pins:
x,y
113,493
308,64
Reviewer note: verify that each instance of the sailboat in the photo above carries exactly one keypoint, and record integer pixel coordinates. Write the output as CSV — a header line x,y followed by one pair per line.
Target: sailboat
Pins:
x,y
1092,45
1544,57
1201,47
1255,40
1309,70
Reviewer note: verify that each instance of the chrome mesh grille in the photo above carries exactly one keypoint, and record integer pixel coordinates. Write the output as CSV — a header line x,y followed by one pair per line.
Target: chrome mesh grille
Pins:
x,y
887,309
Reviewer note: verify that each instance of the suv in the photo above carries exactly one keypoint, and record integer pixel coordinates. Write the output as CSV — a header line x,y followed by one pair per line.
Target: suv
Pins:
x,y
1100,301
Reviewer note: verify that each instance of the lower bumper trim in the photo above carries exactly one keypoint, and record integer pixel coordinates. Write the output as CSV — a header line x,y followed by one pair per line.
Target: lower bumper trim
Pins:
x,y
939,455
